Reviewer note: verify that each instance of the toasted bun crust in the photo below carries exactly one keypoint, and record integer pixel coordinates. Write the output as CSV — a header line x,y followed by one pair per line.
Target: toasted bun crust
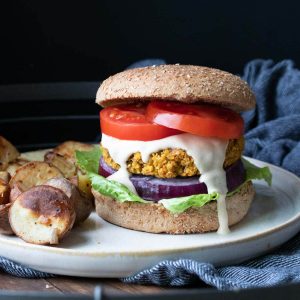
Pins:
x,y
184,83
155,218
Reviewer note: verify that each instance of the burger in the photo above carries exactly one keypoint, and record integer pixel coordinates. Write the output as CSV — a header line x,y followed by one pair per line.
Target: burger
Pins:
x,y
170,157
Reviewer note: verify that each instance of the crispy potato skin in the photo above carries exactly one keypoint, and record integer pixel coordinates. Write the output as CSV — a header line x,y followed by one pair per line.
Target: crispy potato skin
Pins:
x,y
8,153
4,187
64,164
42,215
15,165
4,193
45,200
68,149
15,192
4,176
5,227
32,174
83,206
170,163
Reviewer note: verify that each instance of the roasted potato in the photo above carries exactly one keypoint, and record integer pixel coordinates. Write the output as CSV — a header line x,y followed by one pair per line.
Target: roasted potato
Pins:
x,y
65,165
4,187
4,176
4,221
84,185
68,149
15,192
83,206
8,153
32,174
4,192
42,215
16,164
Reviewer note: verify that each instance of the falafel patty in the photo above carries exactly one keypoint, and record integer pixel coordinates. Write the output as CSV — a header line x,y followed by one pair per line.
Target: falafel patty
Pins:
x,y
170,163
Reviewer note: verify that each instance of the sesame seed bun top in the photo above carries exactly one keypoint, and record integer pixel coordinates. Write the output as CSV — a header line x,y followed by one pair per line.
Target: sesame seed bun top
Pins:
x,y
184,83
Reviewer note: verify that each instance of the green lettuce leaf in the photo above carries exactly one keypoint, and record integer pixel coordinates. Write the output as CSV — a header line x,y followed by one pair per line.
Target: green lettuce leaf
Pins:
x,y
179,205
254,172
113,189
88,161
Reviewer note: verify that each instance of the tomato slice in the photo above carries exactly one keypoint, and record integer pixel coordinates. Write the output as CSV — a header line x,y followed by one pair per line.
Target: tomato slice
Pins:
x,y
199,119
128,122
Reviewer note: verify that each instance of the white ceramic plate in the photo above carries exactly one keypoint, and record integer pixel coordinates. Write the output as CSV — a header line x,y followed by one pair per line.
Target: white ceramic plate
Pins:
x,y
100,249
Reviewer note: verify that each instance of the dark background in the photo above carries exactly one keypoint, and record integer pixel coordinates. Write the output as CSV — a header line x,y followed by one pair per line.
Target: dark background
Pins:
x,y
46,40
45,43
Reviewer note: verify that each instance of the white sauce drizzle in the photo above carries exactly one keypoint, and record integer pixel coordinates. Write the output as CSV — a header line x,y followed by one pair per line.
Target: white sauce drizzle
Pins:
x,y
208,155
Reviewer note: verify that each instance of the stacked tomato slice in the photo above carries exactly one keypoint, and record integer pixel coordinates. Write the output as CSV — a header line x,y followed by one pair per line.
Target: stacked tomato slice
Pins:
x,y
129,122
160,119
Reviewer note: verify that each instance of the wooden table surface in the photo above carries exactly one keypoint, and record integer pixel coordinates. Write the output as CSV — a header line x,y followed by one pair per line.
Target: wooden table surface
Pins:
x,y
85,286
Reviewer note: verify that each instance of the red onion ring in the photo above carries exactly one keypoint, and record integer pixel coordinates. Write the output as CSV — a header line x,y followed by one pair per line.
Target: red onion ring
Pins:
x,y
155,189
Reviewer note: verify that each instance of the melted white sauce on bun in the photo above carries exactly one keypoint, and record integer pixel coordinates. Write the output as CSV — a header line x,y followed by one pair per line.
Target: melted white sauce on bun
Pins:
x,y
208,155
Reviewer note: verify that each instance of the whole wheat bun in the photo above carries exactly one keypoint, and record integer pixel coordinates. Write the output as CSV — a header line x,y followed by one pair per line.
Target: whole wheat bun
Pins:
x,y
155,218
184,83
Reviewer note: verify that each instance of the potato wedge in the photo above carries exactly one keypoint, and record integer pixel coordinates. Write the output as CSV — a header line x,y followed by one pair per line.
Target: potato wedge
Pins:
x,y
4,192
16,164
4,221
4,187
84,185
83,206
68,149
4,176
8,153
65,165
32,174
15,192
42,215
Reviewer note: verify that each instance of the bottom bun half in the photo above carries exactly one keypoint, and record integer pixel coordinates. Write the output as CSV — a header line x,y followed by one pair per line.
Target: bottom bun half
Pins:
x,y
153,217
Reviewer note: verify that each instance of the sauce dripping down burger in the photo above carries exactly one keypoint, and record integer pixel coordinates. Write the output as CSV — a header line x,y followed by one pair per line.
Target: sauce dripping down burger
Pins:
x,y
170,134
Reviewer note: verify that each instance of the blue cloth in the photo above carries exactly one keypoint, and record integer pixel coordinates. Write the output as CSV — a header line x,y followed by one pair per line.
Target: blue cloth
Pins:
x,y
19,270
273,127
273,135
283,266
